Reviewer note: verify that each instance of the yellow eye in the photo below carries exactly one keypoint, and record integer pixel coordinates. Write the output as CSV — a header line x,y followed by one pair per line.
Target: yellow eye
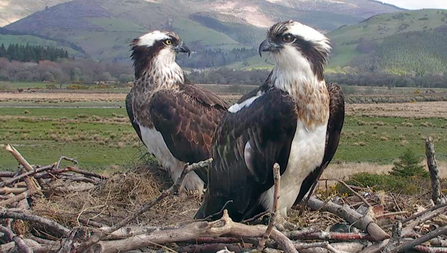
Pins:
x,y
168,42
287,38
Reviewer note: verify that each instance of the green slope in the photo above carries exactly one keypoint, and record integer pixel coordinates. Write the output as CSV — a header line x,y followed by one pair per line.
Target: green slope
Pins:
x,y
398,43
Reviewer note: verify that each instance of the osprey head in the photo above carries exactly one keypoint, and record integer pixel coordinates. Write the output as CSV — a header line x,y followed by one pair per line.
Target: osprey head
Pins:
x,y
156,49
291,41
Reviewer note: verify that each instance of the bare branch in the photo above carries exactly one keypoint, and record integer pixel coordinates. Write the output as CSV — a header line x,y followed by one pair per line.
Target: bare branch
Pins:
x,y
420,240
365,223
423,216
30,217
434,172
86,173
73,160
276,180
24,175
8,190
350,189
18,241
333,236
19,197
223,226
30,182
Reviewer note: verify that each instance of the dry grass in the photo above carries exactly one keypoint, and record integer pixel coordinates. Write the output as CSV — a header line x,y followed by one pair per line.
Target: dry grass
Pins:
x,y
403,110
117,198
61,97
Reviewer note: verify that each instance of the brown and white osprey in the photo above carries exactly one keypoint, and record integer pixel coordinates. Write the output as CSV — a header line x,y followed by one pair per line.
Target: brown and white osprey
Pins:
x,y
293,119
174,118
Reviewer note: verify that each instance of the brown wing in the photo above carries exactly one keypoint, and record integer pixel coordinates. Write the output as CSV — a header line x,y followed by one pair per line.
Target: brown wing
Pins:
x,y
186,124
203,95
129,110
334,126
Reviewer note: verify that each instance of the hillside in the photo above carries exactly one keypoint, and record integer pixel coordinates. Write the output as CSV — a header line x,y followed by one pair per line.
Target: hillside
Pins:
x,y
409,42
104,28
13,10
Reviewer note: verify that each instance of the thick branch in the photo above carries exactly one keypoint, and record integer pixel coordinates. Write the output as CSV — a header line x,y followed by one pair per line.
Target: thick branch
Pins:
x,y
24,175
333,236
17,240
8,190
434,172
223,226
30,217
423,216
420,240
19,197
365,223
30,182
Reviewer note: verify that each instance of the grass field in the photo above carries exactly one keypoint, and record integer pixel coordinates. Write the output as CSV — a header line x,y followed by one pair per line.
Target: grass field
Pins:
x,y
98,138
94,128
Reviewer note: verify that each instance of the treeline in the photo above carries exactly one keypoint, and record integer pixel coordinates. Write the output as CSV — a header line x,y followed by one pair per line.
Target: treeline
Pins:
x,y
213,58
88,71
376,79
64,71
30,53
229,76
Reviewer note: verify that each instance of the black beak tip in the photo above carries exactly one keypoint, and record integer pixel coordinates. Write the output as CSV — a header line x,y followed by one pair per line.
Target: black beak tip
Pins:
x,y
265,45
182,49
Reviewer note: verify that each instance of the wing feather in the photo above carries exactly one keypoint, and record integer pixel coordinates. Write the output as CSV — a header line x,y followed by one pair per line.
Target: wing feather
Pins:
x,y
269,125
186,125
131,115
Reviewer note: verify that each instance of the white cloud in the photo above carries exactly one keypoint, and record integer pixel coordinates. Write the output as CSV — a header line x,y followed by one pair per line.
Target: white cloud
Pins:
x,y
418,4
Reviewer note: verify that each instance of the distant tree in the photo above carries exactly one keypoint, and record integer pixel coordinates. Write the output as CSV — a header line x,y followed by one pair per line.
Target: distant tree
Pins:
x,y
123,78
31,53
408,166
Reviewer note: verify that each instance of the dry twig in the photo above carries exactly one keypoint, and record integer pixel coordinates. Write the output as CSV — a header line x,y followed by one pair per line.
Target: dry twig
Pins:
x,y
350,189
274,213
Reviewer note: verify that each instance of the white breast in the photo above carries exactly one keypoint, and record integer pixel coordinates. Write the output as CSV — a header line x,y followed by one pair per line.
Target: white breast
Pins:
x,y
157,146
306,154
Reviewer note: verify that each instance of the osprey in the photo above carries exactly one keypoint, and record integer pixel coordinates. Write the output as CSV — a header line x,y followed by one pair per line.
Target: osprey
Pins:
x,y
174,118
294,119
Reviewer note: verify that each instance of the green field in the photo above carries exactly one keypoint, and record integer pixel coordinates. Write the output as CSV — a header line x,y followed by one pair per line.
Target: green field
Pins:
x,y
103,137
383,139
98,138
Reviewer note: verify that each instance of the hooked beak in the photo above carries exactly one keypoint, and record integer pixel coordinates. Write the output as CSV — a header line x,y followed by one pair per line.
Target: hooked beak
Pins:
x,y
267,46
182,48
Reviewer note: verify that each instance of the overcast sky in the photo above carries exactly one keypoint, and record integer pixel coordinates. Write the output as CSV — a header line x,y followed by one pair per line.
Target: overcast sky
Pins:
x,y
418,4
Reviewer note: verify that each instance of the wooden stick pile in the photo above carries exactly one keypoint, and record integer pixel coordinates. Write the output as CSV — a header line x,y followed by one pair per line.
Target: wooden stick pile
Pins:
x,y
421,231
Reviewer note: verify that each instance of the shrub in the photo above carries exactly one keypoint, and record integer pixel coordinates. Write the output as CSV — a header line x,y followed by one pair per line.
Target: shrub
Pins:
x,y
384,182
408,166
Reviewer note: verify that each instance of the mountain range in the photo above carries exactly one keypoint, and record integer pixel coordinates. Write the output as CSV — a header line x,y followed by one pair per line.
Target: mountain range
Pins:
x,y
366,35
104,28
